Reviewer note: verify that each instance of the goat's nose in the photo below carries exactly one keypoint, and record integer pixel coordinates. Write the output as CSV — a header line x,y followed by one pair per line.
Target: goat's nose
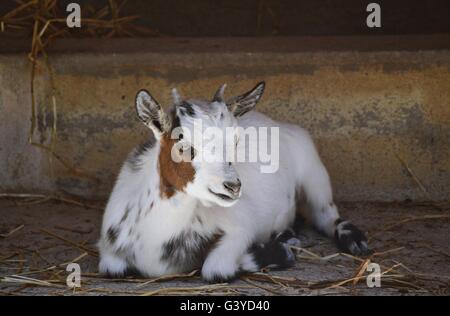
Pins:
x,y
233,187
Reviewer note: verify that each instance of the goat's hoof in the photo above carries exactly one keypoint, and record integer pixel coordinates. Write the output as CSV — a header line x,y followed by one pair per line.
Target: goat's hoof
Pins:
x,y
218,279
294,242
351,240
274,254
289,260
219,269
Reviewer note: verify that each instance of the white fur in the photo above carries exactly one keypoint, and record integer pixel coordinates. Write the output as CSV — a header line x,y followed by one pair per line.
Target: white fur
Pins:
x,y
266,205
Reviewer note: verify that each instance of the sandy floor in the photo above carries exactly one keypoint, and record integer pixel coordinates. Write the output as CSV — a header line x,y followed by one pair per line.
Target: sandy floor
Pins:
x,y
411,243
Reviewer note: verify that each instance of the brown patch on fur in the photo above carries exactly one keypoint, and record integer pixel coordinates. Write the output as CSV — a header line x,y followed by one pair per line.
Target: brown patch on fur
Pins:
x,y
173,176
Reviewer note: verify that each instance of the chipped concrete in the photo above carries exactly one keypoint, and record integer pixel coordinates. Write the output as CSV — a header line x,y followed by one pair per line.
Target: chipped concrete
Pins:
x,y
364,108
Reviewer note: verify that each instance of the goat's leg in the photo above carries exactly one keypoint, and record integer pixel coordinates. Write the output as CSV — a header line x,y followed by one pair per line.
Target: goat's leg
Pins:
x,y
111,265
223,262
276,253
321,211
233,256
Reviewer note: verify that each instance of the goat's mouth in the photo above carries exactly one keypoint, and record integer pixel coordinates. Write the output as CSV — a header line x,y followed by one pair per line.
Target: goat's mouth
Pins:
x,y
223,196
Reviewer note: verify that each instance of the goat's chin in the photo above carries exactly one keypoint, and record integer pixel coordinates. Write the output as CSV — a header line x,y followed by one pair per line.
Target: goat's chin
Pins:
x,y
217,202
224,203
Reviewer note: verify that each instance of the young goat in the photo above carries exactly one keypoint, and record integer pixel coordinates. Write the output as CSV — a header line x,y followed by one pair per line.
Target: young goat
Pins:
x,y
168,215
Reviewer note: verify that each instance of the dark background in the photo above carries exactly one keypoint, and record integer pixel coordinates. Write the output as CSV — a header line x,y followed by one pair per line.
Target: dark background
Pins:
x,y
291,17
222,18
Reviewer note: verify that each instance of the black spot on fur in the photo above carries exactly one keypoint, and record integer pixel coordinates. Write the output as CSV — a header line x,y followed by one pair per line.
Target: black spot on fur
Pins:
x,y
125,214
188,109
272,254
188,250
157,124
149,209
353,241
122,249
145,146
175,119
112,234
286,235
134,160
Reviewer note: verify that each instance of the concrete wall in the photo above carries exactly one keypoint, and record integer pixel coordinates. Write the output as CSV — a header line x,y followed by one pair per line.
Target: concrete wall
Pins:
x,y
364,108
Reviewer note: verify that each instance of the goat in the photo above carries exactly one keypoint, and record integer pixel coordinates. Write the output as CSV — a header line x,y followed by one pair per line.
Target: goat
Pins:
x,y
170,216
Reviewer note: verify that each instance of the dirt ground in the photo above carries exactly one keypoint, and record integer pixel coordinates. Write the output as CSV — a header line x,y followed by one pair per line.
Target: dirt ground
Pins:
x,y
411,244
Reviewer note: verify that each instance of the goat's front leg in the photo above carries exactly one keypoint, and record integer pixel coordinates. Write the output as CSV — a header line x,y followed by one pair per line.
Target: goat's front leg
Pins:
x,y
223,263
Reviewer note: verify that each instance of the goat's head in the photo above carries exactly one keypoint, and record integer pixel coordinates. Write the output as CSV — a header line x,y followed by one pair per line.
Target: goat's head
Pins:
x,y
196,138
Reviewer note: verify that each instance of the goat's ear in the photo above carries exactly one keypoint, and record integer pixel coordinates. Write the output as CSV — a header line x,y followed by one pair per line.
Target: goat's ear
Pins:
x,y
151,113
246,102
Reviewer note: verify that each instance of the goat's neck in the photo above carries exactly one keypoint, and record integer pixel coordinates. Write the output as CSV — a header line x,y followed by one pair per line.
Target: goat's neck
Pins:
x,y
179,200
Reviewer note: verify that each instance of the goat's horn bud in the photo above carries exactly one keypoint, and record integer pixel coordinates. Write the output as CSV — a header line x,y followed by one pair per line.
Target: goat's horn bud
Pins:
x,y
218,96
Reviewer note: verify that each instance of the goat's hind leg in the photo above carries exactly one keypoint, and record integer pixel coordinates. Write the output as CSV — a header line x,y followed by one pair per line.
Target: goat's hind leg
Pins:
x,y
233,257
276,253
320,210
